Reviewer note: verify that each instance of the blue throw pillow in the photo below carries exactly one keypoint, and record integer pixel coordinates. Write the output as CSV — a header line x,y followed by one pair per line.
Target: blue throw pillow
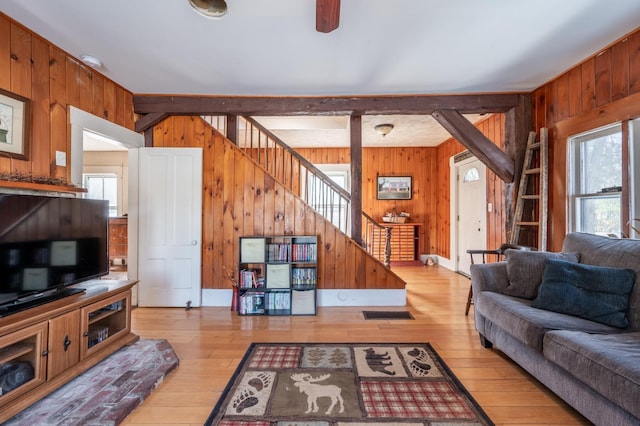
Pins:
x,y
593,292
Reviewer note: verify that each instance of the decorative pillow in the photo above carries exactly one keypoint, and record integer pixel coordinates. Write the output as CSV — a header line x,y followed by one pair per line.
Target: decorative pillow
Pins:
x,y
596,293
525,269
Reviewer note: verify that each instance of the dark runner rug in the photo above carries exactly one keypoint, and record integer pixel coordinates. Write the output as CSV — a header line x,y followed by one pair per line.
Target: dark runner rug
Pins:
x,y
371,315
323,384
106,393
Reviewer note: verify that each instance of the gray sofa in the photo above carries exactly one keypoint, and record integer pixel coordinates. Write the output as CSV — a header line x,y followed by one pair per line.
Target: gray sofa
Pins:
x,y
593,366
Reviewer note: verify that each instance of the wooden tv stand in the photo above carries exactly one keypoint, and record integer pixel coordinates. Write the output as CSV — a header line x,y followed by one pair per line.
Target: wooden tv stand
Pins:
x,y
63,338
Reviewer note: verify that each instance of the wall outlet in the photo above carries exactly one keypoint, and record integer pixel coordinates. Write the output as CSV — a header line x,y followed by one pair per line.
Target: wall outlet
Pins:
x,y
61,158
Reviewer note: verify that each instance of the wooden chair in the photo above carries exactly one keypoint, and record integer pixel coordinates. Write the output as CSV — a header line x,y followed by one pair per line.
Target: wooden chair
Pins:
x,y
499,255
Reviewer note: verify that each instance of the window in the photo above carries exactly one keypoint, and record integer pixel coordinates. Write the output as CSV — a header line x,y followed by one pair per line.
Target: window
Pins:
x,y
322,198
596,182
103,187
471,175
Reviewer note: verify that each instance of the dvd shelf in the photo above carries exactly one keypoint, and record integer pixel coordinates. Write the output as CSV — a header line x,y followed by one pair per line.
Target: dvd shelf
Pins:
x,y
278,275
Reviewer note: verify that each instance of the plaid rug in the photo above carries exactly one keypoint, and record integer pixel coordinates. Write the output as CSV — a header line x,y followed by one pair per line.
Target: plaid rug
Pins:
x,y
326,384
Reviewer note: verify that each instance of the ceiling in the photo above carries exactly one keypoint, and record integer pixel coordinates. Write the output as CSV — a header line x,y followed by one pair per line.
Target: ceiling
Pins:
x,y
271,48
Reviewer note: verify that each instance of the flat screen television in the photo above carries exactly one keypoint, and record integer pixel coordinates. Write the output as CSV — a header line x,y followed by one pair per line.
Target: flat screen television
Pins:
x,y
47,244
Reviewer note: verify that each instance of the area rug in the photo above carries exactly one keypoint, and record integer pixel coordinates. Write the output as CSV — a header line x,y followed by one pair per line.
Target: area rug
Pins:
x,y
106,393
343,384
372,315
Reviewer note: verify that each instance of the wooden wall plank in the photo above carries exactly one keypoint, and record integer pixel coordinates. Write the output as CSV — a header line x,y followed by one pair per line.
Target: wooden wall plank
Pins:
x,y
634,63
588,95
603,78
98,96
574,93
562,101
58,109
620,70
40,134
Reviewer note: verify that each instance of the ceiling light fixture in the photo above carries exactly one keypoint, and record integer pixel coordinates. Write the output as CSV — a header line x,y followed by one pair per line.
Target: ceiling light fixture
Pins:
x,y
384,129
92,61
213,9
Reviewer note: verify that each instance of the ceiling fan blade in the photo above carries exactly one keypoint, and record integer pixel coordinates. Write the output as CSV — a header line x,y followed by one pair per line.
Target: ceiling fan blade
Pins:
x,y
327,15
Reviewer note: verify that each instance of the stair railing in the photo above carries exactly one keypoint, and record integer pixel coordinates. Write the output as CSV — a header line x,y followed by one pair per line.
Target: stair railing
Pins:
x,y
308,182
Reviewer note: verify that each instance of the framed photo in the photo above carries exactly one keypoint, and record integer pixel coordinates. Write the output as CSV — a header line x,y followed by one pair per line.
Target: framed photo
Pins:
x,y
394,188
14,125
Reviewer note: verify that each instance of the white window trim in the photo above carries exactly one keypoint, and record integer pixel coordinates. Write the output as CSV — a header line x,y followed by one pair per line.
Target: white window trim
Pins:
x,y
573,171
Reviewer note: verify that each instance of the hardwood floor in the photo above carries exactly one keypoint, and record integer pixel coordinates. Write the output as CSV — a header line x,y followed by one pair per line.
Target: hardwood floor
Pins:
x,y
210,343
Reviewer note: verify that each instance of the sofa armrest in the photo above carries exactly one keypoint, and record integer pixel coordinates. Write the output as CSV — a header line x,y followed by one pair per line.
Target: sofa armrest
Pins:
x,y
489,277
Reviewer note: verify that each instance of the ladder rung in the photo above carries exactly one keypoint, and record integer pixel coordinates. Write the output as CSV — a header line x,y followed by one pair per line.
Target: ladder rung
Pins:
x,y
528,223
534,145
531,196
533,171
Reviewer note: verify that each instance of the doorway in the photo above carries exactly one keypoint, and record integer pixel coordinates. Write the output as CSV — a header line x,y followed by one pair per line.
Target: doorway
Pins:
x,y
468,208
110,145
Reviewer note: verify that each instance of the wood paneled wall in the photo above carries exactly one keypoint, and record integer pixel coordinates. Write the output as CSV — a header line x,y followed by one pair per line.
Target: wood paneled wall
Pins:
x,y
241,199
420,163
429,167
602,90
53,80
493,127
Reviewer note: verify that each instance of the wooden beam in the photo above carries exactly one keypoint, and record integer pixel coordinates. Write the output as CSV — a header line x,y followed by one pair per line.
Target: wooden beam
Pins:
x,y
356,178
327,15
149,120
477,143
232,128
360,105
517,127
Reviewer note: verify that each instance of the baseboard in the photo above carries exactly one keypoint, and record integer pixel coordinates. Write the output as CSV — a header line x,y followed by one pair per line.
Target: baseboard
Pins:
x,y
344,297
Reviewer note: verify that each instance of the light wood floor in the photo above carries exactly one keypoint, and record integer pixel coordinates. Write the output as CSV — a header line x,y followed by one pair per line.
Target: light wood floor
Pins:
x,y
210,343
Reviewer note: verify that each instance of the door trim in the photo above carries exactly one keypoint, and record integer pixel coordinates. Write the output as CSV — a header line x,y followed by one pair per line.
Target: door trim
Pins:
x,y
453,195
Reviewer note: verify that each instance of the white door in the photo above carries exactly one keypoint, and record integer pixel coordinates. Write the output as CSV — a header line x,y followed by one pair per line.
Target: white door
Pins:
x,y
471,210
170,226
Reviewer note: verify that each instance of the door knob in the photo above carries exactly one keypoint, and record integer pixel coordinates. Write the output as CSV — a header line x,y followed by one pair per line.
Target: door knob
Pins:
x,y
194,242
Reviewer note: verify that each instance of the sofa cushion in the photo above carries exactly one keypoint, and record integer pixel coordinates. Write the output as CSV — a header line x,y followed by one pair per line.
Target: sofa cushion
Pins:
x,y
596,293
528,324
525,269
607,363
614,253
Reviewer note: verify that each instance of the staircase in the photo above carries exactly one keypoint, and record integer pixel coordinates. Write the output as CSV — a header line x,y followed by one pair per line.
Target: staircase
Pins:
x,y
304,179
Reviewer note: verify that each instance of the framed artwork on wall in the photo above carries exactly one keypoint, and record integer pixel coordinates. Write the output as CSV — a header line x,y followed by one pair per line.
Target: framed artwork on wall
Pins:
x,y
14,125
393,188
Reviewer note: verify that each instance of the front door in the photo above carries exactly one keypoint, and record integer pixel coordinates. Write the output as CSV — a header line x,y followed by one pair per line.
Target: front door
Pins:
x,y
471,211
170,226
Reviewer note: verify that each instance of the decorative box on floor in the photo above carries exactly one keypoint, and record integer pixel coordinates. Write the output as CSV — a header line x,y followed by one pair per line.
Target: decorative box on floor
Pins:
x,y
278,275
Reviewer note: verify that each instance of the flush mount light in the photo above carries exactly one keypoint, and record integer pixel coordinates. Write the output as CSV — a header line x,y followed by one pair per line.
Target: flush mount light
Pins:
x,y
214,9
92,61
384,129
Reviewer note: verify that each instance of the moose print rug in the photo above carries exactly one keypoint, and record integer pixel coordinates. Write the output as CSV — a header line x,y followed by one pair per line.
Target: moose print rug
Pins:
x,y
342,384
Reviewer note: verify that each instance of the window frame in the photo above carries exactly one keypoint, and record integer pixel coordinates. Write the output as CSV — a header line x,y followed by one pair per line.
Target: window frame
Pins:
x,y
575,181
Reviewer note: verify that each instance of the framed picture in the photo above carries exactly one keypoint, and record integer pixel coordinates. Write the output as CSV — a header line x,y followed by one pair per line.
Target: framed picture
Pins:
x,y
394,188
14,125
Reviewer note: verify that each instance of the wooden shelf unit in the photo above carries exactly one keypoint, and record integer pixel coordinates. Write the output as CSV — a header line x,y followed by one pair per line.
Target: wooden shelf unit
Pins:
x,y
278,275
53,339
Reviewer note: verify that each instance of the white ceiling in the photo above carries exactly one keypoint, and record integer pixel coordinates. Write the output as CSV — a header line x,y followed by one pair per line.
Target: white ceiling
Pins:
x,y
271,47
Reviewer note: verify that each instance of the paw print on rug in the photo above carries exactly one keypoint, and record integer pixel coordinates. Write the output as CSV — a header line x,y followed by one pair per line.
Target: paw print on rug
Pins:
x,y
420,365
244,401
262,381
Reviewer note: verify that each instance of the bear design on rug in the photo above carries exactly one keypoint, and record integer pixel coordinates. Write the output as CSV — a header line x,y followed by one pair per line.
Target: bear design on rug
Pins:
x,y
376,362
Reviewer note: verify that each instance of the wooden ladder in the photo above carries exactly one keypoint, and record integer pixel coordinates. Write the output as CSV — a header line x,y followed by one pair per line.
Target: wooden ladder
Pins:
x,y
532,200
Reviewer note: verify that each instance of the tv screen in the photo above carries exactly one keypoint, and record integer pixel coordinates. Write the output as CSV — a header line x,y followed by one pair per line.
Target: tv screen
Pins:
x,y
48,243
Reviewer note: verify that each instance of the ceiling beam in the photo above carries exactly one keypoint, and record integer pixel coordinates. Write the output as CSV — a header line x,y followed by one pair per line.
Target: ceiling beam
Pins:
x,y
327,15
477,143
147,121
341,105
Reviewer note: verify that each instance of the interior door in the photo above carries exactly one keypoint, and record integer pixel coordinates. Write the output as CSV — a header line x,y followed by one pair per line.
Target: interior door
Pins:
x,y
472,206
170,226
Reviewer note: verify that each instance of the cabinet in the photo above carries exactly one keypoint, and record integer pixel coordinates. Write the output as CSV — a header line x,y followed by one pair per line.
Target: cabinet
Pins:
x,y
54,342
278,275
405,242
118,239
